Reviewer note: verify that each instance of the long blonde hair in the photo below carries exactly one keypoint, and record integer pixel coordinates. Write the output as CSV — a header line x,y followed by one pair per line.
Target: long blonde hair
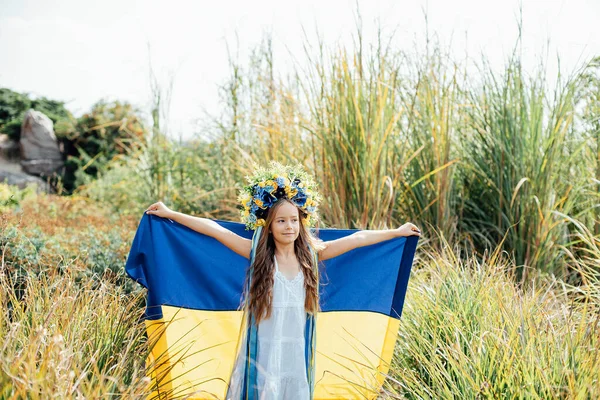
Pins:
x,y
261,288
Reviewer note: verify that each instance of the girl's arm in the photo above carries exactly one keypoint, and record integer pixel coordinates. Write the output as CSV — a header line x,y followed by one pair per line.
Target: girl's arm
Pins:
x,y
232,240
364,238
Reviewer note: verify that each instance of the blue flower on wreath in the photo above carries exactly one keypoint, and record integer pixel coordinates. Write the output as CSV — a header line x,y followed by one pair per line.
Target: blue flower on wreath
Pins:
x,y
269,188
300,198
280,182
265,196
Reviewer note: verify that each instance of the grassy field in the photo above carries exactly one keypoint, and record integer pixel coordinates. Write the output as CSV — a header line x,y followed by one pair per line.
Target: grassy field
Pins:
x,y
501,172
72,324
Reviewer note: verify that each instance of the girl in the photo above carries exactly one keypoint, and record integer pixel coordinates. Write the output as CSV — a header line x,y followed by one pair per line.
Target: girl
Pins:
x,y
281,292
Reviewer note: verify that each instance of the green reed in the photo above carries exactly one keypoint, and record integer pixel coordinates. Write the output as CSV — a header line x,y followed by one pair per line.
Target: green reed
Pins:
x,y
432,100
520,149
352,118
62,340
468,332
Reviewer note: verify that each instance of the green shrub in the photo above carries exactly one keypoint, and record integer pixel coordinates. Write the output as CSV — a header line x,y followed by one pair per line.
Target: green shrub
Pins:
x,y
13,106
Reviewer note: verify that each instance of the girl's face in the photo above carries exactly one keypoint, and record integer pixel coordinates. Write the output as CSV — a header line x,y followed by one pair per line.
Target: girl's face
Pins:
x,y
285,227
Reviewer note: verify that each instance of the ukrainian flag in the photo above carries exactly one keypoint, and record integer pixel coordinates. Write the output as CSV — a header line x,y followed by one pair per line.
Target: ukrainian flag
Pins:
x,y
194,289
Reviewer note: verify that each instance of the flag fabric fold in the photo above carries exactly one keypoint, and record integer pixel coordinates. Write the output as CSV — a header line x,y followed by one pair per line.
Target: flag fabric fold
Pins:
x,y
194,287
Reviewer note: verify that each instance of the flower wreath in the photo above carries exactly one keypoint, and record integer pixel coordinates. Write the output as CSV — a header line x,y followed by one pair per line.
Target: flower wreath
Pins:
x,y
275,182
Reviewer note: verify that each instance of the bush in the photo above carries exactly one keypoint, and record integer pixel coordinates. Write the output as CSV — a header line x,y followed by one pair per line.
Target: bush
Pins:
x,y
13,106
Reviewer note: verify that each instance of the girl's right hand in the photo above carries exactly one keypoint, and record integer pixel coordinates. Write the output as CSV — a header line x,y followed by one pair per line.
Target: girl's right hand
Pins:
x,y
159,209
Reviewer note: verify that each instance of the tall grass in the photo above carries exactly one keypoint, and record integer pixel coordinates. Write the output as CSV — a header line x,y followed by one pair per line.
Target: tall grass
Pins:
x,y
521,148
394,136
467,329
71,326
433,102
64,340
589,123
353,116
468,332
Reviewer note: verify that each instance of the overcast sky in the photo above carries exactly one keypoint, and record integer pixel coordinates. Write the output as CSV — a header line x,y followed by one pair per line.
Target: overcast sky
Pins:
x,y
81,51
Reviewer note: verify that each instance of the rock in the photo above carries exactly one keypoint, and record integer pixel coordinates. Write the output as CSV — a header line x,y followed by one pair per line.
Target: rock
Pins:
x,y
43,168
21,180
40,152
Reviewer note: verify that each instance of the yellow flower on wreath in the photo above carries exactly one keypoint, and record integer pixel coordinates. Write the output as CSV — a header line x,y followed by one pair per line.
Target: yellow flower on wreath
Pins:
x,y
290,192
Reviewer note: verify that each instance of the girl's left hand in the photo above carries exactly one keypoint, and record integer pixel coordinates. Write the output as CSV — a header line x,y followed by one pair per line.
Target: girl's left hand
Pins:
x,y
409,229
